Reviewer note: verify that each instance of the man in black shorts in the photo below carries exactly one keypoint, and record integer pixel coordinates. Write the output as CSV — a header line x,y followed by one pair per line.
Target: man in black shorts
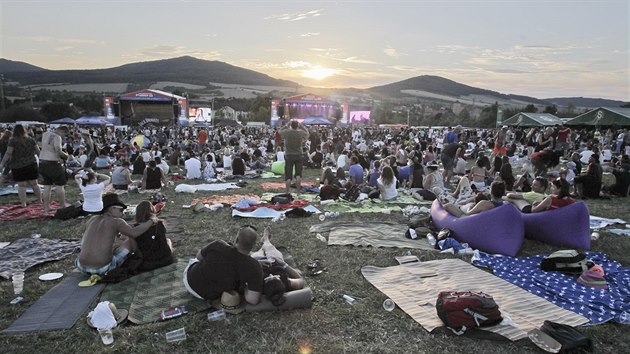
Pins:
x,y
51,166
294,136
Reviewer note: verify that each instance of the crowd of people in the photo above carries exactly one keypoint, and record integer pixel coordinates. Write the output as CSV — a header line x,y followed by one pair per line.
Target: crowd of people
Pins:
x,y
427,163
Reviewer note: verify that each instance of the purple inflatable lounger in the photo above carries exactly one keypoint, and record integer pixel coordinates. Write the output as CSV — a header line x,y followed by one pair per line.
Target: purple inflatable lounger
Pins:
x,y
499,230
565,227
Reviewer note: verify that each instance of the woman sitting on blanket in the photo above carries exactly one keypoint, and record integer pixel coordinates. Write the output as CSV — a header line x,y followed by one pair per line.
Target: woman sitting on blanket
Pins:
x,y
560,196
278,276
386,184
497,190
329,178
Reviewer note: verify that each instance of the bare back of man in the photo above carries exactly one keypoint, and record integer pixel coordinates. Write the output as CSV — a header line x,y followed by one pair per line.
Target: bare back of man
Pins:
x,y
99,236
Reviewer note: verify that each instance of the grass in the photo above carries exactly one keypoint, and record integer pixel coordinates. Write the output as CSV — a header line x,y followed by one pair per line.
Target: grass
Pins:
x,y
331,326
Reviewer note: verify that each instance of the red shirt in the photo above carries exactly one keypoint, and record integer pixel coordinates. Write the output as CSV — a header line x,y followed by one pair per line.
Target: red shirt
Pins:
x,y
203,137
563,134
559,203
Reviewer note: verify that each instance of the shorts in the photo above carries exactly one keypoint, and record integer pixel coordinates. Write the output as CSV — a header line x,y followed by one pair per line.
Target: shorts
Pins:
x,y
447,162
118,258
52,173
289,163
185,279
479,185
27,173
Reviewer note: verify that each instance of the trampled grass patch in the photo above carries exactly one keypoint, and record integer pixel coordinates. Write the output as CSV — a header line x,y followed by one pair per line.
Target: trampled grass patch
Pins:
x,y
331,326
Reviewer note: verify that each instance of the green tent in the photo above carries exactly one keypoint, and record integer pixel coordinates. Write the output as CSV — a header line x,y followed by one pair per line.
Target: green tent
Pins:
x,y
524,119
603,116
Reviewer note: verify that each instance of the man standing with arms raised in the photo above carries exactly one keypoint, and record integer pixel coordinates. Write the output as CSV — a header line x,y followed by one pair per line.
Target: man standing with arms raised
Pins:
x,y
294,136
51,166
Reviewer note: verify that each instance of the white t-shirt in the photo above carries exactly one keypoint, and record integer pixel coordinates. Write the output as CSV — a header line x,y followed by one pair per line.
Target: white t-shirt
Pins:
x,y
341,161
388,191
93,197
585,155
280,155
193,168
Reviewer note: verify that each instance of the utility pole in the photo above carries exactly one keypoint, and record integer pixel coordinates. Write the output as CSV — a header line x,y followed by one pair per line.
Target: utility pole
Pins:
x,y
2,92
407,117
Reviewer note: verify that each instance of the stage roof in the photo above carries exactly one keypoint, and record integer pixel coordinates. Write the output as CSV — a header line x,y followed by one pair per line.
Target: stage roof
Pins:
x,y
149,95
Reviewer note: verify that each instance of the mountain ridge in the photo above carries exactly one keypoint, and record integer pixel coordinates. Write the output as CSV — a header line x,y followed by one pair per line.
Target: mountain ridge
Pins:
x,y
187,69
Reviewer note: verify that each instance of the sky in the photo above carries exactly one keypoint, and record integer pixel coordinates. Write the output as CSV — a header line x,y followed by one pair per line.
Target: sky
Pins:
x,y
539,48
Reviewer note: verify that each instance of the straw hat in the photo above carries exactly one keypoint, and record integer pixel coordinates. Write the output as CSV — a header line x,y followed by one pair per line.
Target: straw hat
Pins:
x,y
230,302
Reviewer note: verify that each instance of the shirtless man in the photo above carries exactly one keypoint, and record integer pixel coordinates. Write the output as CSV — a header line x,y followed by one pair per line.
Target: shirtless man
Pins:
x,y
98,255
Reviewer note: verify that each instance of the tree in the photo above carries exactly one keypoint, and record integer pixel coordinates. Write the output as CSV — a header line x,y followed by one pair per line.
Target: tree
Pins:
x,y
262,115
553,109
530,108
56,110
15,113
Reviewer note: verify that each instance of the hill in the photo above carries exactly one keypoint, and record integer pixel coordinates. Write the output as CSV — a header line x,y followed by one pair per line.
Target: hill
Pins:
x,y
183,69
445,87
585,102
10,66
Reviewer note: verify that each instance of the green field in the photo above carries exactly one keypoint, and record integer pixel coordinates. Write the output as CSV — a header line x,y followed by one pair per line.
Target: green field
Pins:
x,y
331,326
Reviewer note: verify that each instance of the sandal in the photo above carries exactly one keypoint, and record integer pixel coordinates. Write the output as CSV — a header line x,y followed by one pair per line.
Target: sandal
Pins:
x,y
94,278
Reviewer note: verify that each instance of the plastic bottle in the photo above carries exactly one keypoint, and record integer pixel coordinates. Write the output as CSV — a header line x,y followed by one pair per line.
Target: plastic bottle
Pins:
x,y
218,315
321,238
431,239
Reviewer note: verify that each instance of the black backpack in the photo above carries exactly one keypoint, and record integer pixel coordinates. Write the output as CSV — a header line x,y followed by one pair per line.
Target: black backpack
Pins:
x,y
566,261
352,193
282,198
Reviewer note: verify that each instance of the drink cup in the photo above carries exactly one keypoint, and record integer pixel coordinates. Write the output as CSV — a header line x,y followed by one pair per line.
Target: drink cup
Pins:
x,y
176,335
106,336
389,305
18,282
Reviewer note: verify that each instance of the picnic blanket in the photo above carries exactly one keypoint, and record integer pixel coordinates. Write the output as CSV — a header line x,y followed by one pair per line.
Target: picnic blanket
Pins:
x,y
269,213
13,190
285,206
192,188
366,233
146,294
224,199
266,175
343,206
31,211
597,305
59,308
27,252
597,222
282,185
623,232
414,287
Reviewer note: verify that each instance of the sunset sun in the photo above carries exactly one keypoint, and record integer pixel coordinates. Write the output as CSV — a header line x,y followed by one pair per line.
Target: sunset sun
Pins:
x,y
318,73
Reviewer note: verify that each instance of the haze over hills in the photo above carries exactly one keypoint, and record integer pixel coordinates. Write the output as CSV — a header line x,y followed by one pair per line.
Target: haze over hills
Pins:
x,y
195,71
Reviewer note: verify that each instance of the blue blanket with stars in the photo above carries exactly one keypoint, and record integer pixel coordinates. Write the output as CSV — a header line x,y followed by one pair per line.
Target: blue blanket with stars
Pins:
x,y
598,305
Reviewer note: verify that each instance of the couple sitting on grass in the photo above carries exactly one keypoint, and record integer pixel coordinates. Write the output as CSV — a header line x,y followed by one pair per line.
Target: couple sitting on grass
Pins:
x,y
99,256
463,200
224,267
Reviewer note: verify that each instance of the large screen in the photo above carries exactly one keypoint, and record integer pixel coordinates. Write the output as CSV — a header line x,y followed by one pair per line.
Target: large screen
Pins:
x,y
359,117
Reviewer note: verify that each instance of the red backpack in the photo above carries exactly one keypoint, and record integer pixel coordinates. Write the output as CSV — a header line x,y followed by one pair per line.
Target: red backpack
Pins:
x,y
462,310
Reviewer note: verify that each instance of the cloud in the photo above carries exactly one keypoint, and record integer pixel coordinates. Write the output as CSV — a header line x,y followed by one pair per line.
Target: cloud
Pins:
x,y
389,51
296,16
168,51
51,39
309,34
63,49
404,68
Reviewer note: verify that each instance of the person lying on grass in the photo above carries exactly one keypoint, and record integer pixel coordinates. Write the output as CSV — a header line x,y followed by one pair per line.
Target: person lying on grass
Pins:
x,y
222,266
497,190
278,276
98,255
